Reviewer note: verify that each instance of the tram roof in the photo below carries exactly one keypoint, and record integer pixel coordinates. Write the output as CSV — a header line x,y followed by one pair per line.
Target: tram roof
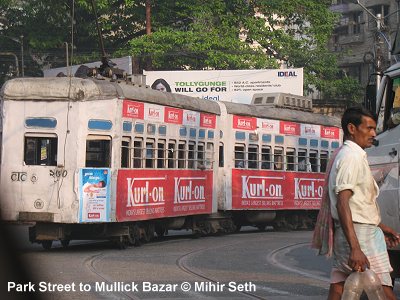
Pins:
x,y
277,113
59,89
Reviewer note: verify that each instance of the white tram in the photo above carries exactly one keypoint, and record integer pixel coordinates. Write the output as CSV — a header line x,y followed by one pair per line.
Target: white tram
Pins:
x,y
89,159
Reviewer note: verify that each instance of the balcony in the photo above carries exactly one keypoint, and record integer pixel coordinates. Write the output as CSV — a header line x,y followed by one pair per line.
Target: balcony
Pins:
x,y
358,38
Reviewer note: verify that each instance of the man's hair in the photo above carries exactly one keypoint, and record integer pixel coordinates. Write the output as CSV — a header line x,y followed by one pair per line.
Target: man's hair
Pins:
x,y
354,116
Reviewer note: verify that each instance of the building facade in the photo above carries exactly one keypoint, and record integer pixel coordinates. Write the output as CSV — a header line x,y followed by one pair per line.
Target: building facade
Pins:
x,y
364,35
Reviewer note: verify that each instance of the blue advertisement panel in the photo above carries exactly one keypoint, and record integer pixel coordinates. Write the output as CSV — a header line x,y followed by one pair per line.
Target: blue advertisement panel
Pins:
x,y
94,195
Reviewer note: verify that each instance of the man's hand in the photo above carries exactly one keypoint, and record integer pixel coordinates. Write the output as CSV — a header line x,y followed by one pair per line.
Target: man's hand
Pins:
x,y
358,261
392,238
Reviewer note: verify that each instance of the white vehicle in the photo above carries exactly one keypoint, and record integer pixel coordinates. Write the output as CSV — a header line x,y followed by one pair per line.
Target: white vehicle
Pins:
x,y
90,158
384,156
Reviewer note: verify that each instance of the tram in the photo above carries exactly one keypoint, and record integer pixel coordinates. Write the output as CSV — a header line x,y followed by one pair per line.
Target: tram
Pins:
x,y
101,159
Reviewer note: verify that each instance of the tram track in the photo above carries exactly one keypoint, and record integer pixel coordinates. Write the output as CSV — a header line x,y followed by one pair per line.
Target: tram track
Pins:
x,y
273,259
89,263
183,263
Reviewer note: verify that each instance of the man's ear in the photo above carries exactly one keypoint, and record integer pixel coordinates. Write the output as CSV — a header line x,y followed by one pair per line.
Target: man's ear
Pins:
x,y
351,128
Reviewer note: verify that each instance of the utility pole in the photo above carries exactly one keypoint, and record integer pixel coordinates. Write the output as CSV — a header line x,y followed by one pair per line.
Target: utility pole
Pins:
x,y
22,54
149,64
378,43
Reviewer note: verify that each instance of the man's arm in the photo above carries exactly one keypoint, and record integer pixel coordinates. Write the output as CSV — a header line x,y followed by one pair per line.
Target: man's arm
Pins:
x,y
357,260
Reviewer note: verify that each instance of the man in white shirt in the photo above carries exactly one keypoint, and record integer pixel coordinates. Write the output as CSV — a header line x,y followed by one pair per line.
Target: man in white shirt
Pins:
x,y
359,236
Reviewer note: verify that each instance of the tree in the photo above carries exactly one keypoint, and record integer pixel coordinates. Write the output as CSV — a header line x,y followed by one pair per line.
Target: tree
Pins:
x,y
240,34
196,34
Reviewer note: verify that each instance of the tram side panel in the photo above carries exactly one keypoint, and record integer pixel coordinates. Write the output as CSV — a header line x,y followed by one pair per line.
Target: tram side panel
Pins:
x,y
37,181
98,145
276,166
171,171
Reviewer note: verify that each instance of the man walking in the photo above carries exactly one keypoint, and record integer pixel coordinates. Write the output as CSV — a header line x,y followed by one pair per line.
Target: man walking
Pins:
x,y
349,223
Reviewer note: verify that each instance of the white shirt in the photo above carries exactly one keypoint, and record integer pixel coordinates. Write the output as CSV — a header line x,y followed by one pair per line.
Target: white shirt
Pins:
x,y
350,171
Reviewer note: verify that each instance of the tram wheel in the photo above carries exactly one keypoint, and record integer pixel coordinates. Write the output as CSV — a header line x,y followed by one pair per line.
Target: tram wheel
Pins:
x,y
238,227
261,227
121,243
47,244
160,230
65,243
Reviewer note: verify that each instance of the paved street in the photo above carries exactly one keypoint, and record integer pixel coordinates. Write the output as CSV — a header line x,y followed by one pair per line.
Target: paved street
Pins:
x,y
248,265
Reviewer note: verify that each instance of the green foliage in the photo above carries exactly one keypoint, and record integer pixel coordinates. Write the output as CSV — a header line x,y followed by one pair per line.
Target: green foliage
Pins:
x,y
196,34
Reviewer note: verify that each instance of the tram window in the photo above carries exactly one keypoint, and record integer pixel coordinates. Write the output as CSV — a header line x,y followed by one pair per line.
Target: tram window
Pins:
x,y
253,137
290,155
162,130
161,154
239,156
171,154
314,143
302,141
266,138
151,129
240,135
279,139
266,158
202,133
183,131
221,134
323,161
221,155
278,159
324,144
125,152
200,156
252,157
302,160
211,134
99,124
314,160
192,132
127,126
335,145
210,155
98,153
181,155
40,151
139,127
191,156
137,153
150,154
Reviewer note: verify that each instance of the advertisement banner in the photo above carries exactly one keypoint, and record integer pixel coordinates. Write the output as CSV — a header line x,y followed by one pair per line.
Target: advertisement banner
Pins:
x,y
173,115
330,132
230,85
94,191
289,128
310,130
244,123
154,112
149,194
268,126
276,190
133,109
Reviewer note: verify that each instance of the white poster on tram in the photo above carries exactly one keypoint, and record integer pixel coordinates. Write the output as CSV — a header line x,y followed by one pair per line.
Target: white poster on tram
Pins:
x,y
228,85
94,190
310,130
268,126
